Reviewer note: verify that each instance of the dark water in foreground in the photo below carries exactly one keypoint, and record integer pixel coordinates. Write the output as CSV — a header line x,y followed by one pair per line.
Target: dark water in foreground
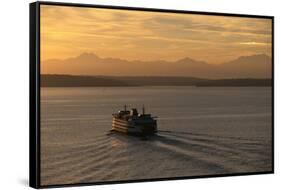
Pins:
x,y
209,130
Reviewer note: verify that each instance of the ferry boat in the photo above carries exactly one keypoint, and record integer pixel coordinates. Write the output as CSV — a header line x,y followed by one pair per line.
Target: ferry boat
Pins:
x,y
131,122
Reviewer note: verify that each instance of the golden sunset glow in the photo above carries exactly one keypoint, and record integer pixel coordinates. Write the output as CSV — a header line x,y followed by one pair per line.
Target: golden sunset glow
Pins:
x,y
136,35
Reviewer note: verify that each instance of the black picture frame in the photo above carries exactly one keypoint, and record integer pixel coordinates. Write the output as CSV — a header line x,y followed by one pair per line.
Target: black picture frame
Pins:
x,y
34,93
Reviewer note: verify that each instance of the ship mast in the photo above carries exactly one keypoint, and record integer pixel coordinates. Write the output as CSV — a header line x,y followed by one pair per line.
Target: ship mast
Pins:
x,y
143,109
125,107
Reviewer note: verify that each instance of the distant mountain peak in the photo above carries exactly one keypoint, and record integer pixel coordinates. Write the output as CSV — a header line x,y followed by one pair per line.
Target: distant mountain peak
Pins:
x,y
189,60
87,55
252,57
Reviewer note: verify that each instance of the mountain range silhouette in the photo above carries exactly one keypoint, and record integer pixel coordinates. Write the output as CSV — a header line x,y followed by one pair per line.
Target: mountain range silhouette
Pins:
x,y
253,66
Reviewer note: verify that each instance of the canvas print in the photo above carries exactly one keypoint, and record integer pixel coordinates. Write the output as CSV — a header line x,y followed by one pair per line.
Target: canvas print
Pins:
x,y
138,95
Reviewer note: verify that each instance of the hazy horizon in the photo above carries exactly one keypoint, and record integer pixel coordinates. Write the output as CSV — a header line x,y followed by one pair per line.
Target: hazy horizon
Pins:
x,y
254,66
157,59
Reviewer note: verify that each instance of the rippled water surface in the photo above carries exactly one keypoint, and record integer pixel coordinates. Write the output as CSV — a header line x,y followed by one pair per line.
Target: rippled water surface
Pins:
x,y
202,131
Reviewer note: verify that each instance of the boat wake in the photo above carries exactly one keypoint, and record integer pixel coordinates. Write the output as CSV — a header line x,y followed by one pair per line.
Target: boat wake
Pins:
x,y
114,156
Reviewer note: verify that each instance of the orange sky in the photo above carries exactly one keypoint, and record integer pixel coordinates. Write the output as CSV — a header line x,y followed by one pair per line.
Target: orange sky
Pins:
x,y
70,31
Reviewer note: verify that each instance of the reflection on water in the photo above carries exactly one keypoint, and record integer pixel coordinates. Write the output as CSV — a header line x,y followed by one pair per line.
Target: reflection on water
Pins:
x,y
202,131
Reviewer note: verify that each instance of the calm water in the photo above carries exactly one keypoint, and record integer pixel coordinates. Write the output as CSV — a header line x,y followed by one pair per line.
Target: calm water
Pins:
x,y
203,131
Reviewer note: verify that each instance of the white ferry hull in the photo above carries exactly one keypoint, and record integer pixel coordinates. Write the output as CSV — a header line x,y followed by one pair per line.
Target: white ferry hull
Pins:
x,y
128,127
